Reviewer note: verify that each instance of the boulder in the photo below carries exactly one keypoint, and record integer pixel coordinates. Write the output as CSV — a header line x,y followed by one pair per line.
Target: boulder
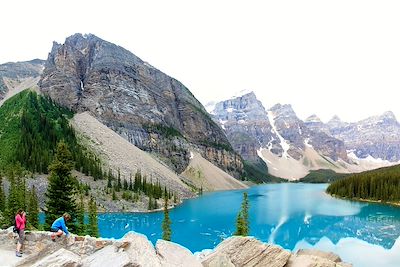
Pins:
x,y
60,258
309,261
141,251
247,251
108,256
174,255
327,255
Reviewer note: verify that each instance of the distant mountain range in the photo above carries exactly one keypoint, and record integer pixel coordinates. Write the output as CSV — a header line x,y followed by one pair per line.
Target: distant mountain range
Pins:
x,y
291,147
159,115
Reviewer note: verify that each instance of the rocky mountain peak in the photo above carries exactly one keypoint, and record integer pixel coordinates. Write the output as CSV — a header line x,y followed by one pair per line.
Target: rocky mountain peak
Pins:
x,y
284,110
388,116
150,109
313,119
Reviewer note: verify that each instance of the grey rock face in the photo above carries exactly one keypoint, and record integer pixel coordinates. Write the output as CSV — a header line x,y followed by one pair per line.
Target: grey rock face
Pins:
x,y
150,109
251,253
246,124
294,130
377,136
16,71
249,127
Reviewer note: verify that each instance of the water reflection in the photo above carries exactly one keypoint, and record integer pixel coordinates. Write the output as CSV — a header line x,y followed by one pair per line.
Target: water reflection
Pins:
x,y
285,214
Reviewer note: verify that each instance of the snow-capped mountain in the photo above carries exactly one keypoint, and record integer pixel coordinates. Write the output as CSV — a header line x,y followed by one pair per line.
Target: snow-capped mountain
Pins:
x,y
376,137
291,147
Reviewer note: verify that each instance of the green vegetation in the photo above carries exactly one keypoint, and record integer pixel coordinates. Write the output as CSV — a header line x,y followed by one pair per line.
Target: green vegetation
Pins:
x,y
258,172
62,186
93,228
18,198
322,176
166,131
378,185
242,221
140,185
2,196
33,125
219,146
80,217
166,223
33,208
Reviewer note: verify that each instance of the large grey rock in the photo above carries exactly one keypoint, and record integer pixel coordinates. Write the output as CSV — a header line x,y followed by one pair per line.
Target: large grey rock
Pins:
x,y
147,107
309,261
174,255
108,256
60,258
141,251
313,252
247,251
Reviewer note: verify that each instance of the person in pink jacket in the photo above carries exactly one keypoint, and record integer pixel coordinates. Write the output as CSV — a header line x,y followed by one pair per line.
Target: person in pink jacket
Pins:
x,y
20,222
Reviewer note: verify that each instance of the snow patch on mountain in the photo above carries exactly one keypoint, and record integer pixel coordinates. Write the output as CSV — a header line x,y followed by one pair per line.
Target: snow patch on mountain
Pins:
x,y
285,146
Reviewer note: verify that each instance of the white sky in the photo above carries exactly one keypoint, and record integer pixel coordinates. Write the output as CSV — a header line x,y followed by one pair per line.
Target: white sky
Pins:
x,y
325,57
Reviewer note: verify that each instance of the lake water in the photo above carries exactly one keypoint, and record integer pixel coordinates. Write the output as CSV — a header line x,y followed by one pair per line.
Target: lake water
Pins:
x,y
290,215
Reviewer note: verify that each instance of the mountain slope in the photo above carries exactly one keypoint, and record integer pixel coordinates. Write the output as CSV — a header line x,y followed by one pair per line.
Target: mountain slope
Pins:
x,y
207,176
118,154
145,106
17,76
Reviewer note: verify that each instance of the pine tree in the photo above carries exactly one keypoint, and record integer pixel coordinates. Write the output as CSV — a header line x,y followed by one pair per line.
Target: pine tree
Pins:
x,y
61,189
80,217
2,196
114,196
166,223
15,198
242,221
33,208
93,228
119,185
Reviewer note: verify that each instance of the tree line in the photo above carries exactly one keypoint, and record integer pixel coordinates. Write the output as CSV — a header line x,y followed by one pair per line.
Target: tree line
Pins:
x,y
63,195
140,184
381,184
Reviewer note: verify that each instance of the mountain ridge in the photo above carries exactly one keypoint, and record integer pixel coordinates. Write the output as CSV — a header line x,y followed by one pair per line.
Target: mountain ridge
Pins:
x,y
309,144
147,107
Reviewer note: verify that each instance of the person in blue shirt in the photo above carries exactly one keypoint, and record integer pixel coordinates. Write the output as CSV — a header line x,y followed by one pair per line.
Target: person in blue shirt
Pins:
x,y
58,228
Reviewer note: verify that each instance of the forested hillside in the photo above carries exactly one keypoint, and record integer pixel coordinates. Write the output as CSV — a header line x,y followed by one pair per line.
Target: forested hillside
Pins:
x,y
381,185
31,127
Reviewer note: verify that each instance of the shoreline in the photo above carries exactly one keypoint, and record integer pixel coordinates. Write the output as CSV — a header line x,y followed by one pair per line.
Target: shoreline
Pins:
x,y
395,204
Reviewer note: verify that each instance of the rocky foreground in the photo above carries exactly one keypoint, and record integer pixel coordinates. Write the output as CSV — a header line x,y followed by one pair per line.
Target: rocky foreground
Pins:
x,y
136,250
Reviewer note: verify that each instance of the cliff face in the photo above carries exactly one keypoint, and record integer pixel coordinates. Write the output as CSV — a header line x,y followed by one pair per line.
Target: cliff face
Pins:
x,y
246,124
147,107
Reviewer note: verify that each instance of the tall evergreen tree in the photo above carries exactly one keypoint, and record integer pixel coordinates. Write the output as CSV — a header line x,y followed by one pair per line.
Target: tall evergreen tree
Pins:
x,y
166,223
2,196
61,189
242,221
16,199
33,208
80,216
93,228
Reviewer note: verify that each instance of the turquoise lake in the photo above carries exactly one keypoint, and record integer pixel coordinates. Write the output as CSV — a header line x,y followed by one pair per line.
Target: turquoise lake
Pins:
x,y
290,215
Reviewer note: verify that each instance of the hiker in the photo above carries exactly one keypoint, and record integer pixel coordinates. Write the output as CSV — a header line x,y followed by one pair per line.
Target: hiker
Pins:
x,y
59,227
20,222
